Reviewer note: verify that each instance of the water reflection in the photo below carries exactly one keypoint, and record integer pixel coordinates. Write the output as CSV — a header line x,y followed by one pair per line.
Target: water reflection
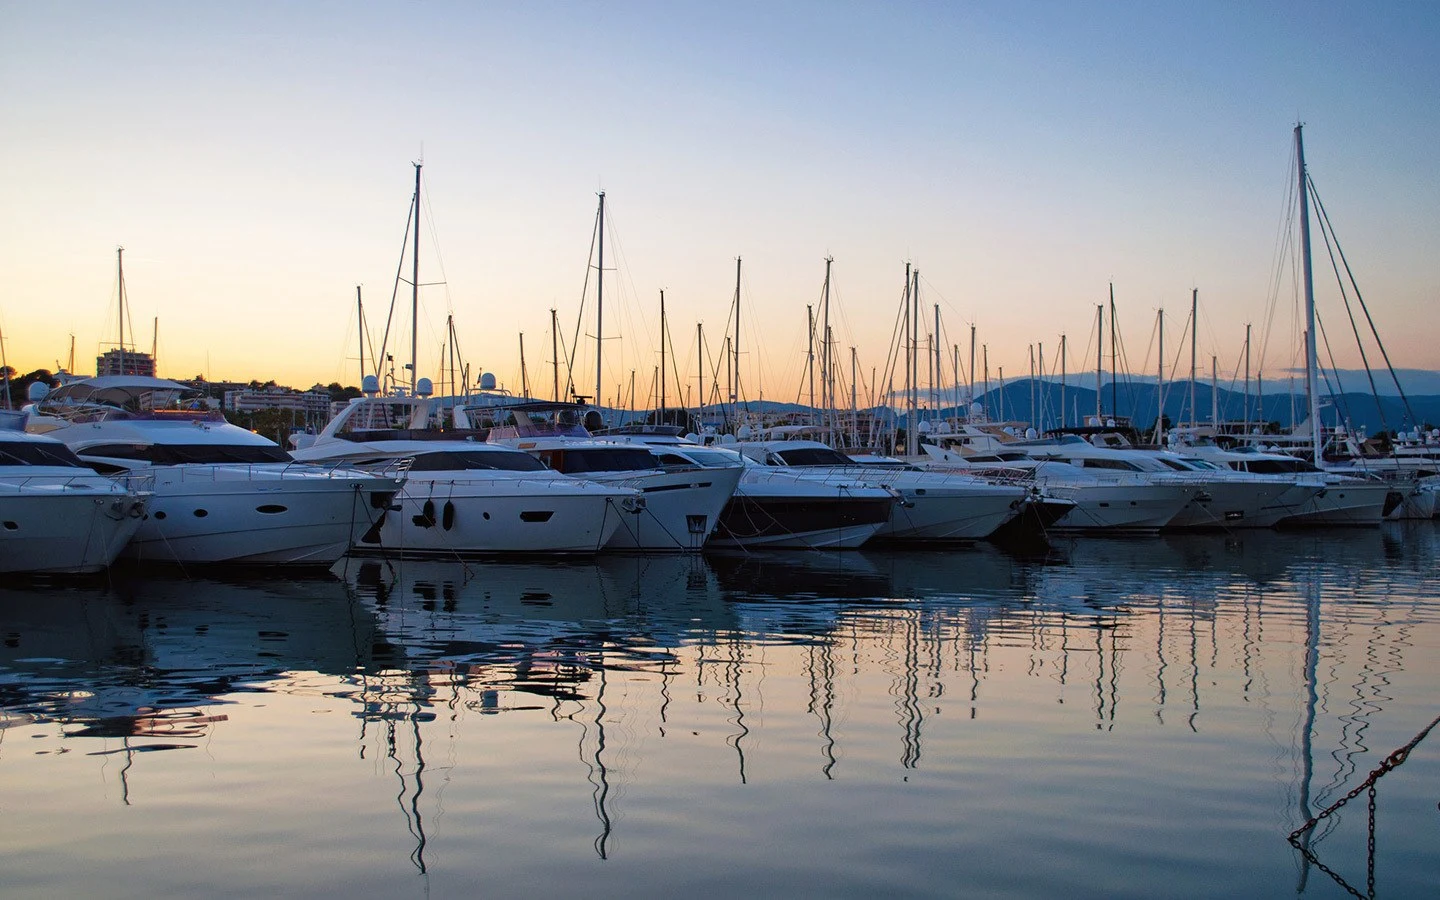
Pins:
x,y
1146,666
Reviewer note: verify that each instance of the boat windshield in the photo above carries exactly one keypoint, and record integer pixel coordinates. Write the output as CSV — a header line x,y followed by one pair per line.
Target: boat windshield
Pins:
x,y
579,460
815,456
179,454
501,460
29,453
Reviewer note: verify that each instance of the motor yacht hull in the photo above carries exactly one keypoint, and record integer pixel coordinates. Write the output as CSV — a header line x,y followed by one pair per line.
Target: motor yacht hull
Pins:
x,y
1352,503
54,530
681,508
457,516
1230,504
260,514
1119,508
839,522
932,513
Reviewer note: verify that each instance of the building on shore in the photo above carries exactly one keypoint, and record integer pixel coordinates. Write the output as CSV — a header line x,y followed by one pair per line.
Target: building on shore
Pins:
x,y
124,361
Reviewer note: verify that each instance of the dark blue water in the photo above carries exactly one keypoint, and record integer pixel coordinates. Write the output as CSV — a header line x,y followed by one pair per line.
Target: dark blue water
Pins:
x,y
1108,719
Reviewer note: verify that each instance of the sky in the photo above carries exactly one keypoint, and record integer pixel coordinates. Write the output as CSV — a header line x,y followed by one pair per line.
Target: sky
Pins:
x,y
255,162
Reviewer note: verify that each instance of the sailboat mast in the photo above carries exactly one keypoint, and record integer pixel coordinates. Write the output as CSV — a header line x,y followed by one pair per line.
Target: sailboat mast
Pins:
x,y
1040,349
735,394
854,401
1214,393
415,285
810,354
600,296
360,330
120,280
1114,358
971,379
1311,360
662,351
554,356
826,401
1160,378
1246,417
524,373
939,372
700,371
1062,380
985,352
1099,363
1194,334
912,435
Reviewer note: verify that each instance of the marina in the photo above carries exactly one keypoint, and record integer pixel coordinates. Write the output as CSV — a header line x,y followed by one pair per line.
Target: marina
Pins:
x,y
1109,717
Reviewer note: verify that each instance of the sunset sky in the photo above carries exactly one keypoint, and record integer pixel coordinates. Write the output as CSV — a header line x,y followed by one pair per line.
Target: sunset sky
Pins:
x,y
254,160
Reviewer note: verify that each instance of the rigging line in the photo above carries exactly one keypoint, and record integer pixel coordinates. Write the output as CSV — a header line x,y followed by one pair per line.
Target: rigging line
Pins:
x,y
1327,236
1364,306
580,315
1329,389
395,291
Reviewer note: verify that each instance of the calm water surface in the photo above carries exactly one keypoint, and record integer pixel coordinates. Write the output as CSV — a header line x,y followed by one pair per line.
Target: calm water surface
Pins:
x,y
1110,719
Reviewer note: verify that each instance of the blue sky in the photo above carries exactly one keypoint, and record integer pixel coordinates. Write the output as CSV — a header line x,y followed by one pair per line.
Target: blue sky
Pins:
x,y
254,160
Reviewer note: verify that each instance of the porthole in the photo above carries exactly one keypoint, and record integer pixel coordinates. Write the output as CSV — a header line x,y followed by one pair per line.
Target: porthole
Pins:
x,y
269,509
11,526
159,514
201,513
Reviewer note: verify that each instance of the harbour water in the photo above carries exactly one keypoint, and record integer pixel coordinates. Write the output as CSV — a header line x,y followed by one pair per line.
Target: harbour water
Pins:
x,y
1109,718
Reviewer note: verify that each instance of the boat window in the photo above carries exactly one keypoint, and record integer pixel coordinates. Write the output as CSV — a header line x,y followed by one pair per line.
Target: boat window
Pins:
x,y
1179,467
814,456
501,460
674,459
177,454
26,453
1278,466
577,460
713,459
1120,464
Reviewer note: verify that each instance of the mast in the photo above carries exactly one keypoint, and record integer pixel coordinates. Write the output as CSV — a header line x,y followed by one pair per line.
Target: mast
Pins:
x,y
1040,348
912,436
524,373
120,278
1062,380
1311,360
1099,340
1246,417
1214,394
1194,333
985,352
415,284
662,350
826,400
5,367
360,329
554,356
155,344
735,394
1032,384
1160,379
700,371
600,296
810,355
939,372
854,401
1114,356
971,373
905,302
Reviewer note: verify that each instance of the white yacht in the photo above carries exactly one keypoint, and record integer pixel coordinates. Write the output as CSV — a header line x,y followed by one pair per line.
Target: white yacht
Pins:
x,y
774,507
1343,499
222,494
57,515
1218,497
935,506
1105,502
682,504
462,495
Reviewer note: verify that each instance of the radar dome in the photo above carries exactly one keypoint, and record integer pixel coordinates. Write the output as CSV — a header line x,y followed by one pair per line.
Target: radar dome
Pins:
x,y
976,410
370,385
923,427
487,381
743,433
37,391
1030,434
424,388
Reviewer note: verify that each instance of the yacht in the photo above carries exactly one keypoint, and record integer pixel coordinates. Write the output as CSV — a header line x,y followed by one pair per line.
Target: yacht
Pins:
x,y
774,507
682,503
935,506
1342,500
464,496
57,515
222,494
